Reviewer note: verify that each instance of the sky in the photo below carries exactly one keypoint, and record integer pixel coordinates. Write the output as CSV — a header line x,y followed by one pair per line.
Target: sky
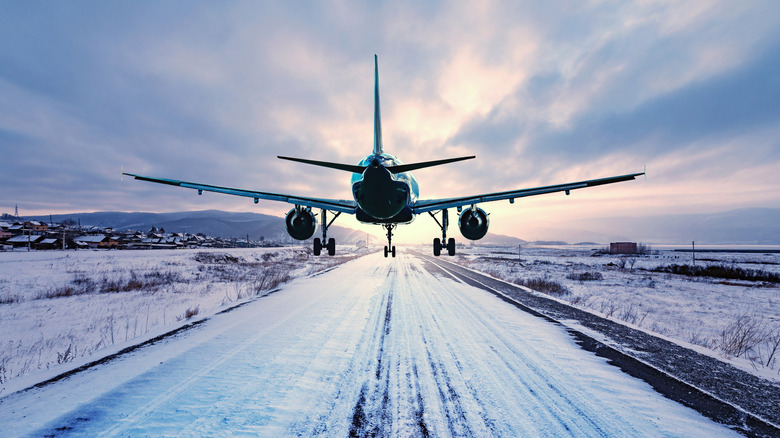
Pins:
x,y
541,92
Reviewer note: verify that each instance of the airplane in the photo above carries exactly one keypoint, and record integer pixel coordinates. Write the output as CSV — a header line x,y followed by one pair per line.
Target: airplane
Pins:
x,y
386,193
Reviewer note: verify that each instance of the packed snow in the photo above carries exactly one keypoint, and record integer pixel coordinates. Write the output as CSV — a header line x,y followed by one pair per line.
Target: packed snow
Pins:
x,y
375,346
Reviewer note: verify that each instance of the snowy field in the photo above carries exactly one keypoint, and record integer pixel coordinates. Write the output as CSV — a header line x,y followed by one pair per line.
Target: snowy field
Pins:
x,y
735,320
376,347
60,308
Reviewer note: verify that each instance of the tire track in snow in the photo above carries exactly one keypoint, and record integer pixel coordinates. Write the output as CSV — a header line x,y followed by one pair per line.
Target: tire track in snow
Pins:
x,y
370,415
424,315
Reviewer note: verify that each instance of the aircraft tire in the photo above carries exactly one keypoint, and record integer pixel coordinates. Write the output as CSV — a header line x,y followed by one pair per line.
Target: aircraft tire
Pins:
x,y
386,251
451,246
317,246
332,246
393,251
436,247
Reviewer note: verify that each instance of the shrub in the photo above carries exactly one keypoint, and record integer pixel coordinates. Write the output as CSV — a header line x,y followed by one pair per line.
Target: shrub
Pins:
x,y
543,285
189,313
721,271
741,335
585,276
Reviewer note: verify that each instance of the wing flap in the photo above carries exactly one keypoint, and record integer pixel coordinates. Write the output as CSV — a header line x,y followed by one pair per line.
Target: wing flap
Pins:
x,y
343,206
422,206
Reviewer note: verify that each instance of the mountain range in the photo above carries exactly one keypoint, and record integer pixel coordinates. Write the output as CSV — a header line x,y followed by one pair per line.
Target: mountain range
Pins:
x,y
744,226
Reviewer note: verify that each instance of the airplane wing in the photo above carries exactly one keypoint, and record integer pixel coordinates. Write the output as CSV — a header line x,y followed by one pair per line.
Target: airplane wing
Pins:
x,y
425,205
343,206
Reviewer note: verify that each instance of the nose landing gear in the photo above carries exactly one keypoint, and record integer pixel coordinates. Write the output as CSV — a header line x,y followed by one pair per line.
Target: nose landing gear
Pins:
x,y
389,248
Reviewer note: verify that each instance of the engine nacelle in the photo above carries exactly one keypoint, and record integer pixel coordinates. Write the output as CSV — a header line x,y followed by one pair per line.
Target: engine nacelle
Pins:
x,y
473,224
301,224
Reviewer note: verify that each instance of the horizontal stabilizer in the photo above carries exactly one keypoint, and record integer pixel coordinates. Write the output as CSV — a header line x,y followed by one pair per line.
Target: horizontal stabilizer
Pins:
x,y
414,166
401,168
338,166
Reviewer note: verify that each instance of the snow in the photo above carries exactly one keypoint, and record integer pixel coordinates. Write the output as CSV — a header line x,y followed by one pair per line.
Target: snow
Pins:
x,y
690,311
41,337
376,345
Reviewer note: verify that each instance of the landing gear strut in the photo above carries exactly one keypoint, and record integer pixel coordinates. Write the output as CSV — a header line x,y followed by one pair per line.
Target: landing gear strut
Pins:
x,y
438,245
389,249
331,243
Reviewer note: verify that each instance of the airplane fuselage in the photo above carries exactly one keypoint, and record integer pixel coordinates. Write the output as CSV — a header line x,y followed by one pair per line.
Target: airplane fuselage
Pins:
x,y
383,197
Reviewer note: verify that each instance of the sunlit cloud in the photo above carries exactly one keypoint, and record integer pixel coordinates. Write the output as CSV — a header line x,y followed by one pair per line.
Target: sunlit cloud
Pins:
x,y
542,93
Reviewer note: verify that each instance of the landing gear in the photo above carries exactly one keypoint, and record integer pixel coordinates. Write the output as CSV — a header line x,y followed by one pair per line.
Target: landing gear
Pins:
x,y
389,248
331,243
443,243
438,246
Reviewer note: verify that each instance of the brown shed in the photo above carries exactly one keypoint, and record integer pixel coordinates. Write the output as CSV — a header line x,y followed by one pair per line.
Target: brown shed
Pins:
x,y
622,248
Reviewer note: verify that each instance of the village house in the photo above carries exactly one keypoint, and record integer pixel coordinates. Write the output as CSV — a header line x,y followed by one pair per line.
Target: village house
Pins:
x,y
36,227
95,241
23,240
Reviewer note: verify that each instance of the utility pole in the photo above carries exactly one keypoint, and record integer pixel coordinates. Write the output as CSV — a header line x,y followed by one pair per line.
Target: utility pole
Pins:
x,y
693,244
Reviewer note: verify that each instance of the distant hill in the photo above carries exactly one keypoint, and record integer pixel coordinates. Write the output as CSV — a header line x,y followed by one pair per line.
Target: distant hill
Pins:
x,y
495,239
214,223
748,226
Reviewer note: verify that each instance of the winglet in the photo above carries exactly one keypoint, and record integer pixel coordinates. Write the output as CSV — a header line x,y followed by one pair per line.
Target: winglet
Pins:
x,y
377,118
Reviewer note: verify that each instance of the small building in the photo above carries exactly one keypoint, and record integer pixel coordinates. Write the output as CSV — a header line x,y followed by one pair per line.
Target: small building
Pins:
x,y
49,243
36,226
622,248
95,241
23,240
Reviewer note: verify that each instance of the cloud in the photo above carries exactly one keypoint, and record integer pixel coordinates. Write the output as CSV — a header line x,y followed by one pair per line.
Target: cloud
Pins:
x,y
540,92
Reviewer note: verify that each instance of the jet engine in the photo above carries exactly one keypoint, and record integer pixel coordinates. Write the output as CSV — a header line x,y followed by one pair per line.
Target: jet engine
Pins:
x,y
473,223
300,223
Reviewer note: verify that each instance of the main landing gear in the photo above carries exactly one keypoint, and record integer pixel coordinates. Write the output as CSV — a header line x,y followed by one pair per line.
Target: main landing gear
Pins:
x,y
331,243
389,248
444,243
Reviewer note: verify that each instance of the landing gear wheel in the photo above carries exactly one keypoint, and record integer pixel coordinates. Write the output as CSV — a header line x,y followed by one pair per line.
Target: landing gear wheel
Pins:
x,y
329,244
436,247
451,246
389,248
317,246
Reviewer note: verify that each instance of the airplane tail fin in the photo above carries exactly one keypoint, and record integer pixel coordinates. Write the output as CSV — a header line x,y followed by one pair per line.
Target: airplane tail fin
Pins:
x,y
377,144
377,117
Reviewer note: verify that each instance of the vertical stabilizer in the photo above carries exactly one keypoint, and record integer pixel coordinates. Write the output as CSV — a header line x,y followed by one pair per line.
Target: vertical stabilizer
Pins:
x,y
377,117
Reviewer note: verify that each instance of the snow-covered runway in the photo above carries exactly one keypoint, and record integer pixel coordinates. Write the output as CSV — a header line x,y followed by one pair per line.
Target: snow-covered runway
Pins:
x,y
375,347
